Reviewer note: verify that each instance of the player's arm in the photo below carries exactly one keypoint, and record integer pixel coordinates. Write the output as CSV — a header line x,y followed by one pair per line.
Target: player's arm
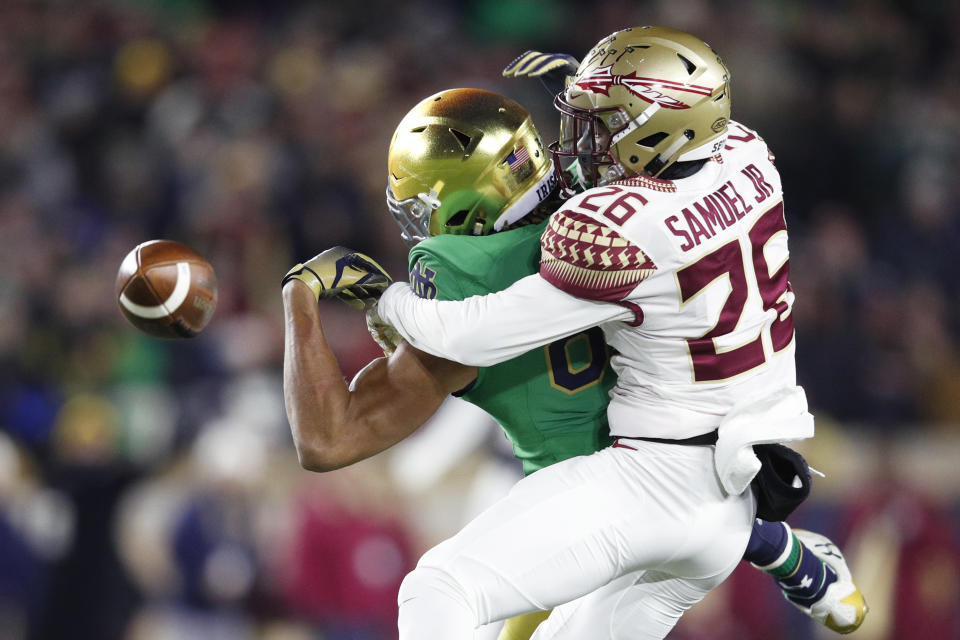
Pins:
x,y
486,330
334,426
586,274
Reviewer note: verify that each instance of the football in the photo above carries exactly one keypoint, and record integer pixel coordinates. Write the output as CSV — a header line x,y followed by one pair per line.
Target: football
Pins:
x,y
166,289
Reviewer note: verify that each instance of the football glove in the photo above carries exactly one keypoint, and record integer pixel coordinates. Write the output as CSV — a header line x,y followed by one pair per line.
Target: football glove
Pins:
x,y
382,333
342,273
533,64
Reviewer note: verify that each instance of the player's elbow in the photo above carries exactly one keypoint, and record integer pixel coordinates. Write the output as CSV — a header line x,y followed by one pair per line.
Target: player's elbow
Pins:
x,y
316,447
318,457
311,460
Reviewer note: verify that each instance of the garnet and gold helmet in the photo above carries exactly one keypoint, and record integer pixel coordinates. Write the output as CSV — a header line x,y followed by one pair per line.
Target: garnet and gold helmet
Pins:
x,y
465,162
642,99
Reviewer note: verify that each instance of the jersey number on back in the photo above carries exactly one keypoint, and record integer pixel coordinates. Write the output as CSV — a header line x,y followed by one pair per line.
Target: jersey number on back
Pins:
x,y
709,365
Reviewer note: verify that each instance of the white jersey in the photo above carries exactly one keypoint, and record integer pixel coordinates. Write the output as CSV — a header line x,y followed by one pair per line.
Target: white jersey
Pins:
x,y
688,278
703,263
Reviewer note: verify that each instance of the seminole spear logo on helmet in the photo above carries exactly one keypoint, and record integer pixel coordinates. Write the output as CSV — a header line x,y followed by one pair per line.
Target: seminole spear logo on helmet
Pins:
x,y
601,79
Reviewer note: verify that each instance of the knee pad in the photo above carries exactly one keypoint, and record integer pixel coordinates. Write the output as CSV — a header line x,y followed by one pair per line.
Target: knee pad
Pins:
x,y
433,605
433,584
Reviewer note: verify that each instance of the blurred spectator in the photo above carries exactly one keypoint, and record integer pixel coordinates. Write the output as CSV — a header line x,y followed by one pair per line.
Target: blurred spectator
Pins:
x,y
149,490
906,547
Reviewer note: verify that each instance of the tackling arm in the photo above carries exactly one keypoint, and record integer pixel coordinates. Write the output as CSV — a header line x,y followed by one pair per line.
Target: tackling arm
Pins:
x,y
486,330
334,426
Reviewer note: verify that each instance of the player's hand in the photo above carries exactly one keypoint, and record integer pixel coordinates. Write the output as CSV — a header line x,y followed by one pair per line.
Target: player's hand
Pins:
x,y
382,333
342,273
535,64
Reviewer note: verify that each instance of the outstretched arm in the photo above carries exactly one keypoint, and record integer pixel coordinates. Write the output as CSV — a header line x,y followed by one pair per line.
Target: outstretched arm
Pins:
x,y
486,330
334,426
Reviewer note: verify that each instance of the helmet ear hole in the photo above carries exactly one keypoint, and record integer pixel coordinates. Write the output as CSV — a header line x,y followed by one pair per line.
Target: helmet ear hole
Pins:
x,y
458,219
689,66
653,139
462,138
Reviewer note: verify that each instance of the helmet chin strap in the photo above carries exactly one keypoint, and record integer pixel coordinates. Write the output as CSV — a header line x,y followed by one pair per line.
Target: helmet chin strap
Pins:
x,y
635,124
661,160
527,202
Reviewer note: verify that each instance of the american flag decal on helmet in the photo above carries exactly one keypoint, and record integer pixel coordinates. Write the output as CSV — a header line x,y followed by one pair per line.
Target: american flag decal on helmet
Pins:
x,y
590,260
517,158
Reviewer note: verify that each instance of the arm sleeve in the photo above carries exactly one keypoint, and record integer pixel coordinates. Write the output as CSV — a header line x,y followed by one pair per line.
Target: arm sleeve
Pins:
x,y
485,330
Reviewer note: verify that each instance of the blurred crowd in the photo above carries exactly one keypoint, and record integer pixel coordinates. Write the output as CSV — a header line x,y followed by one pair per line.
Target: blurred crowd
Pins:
x,y
149,489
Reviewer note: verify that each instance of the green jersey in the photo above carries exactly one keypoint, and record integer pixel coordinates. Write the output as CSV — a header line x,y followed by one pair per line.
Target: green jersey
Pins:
x,y
552,401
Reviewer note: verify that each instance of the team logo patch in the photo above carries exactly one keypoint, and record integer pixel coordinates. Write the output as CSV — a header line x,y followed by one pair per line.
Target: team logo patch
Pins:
x,y
421,281
600,80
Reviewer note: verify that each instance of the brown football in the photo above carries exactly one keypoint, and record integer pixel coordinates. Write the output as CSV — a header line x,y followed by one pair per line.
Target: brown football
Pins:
x,y
167,289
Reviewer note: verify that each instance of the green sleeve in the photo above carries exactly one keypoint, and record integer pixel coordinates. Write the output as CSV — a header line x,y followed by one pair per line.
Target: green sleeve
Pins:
x,y
551,401
449,267
434,275
431,276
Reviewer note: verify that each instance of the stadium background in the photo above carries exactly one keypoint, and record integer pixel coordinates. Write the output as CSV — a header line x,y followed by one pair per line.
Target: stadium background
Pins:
x,y
149,490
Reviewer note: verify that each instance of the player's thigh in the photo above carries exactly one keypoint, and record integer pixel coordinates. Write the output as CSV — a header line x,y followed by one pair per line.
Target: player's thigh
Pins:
x,y
644,605
540,545
573,527
522,627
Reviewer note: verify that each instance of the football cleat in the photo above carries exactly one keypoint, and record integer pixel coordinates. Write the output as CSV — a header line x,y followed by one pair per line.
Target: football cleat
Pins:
x,y
842,607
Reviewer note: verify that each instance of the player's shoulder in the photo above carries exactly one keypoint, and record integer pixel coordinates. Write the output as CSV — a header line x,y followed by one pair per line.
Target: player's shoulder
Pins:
x,y
453,267
474,253
743,139
608,215
627,194
585,254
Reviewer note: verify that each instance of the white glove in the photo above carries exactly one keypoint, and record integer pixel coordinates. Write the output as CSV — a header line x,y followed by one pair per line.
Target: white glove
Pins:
x,y
382,333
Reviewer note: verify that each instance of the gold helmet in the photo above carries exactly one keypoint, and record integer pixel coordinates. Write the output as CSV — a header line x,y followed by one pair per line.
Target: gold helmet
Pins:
x,y
642,99
465,162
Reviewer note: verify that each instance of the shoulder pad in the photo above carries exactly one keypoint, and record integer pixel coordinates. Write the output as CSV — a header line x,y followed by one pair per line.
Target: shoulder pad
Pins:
x,y
589,260
740,135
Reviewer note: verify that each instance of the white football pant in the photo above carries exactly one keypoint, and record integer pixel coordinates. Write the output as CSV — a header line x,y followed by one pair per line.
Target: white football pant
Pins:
x,y
630,539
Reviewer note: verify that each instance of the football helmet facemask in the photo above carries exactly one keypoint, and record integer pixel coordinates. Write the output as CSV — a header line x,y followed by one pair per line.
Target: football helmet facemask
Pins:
x,y
465,162
641,100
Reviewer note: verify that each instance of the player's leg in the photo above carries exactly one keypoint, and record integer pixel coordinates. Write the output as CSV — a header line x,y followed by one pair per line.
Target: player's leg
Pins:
x,y
572,528
644,605
810,571
470,578
522,627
